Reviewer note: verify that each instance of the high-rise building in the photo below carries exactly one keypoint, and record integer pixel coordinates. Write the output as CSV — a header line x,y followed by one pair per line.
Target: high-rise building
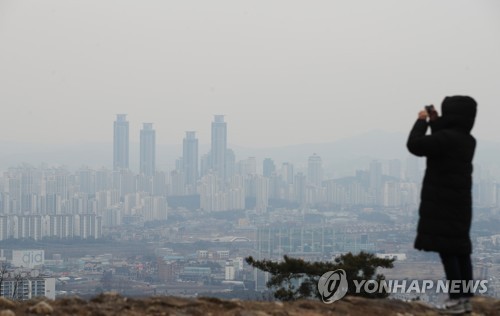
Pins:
x,y
219,146
247,166
299,188
160,183
148,149
413,173
177,183
103,180
261,193
287,173
29,287
87,180
88,226
268,167
376,188
395,168
154,208
61,226
190,158
120,142
230,163
205,164
315,170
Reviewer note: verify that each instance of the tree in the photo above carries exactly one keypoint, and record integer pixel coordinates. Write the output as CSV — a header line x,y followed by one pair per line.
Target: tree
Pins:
x,y
18,280
3,274
295,278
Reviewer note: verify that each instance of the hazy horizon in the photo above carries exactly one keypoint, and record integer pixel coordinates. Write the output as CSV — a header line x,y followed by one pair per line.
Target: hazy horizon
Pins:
x,y
342,157
283,73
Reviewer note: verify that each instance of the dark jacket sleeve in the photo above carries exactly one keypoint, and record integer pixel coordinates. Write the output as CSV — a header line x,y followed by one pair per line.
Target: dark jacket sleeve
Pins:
x,y
420,144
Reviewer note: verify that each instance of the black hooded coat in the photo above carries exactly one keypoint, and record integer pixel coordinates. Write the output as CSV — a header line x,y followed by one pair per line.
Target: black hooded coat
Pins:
x,y
446,198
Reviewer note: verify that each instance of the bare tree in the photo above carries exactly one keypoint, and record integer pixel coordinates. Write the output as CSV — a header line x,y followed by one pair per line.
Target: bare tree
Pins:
x,y
3,274
19,278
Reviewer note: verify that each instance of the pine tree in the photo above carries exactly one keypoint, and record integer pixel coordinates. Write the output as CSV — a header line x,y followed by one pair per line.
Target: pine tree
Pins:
x,y
295,278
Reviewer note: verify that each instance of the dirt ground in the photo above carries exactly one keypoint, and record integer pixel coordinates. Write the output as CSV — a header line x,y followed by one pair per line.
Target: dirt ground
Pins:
x,y
114,304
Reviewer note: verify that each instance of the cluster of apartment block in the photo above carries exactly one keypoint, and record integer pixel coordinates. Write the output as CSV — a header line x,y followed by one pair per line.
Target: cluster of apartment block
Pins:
x,y
37,227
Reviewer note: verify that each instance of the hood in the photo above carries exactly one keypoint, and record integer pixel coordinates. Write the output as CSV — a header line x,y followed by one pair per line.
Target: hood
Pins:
x,y
458,112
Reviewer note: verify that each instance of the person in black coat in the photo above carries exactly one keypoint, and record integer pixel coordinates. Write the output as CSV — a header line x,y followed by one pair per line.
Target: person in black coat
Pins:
x,y
446,198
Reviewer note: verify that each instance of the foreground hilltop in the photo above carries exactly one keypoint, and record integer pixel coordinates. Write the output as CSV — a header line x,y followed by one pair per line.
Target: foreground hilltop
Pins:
x,y
113,304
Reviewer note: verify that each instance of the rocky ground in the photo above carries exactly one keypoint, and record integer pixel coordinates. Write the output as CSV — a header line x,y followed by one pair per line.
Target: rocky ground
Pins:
x,y
113,304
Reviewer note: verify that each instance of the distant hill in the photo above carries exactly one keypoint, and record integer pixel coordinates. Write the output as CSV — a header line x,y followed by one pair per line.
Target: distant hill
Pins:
x,y
344,154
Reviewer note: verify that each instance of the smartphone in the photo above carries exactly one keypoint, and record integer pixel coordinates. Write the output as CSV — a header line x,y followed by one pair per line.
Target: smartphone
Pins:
x,y
429,109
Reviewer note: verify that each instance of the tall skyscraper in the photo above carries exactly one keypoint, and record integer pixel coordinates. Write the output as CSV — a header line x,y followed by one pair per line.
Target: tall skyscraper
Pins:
x,y
148,150
315,170
190,158
268,167
219,146
120,142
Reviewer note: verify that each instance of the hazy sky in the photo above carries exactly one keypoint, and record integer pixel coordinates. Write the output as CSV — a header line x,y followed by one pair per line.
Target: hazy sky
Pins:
x,y
283,72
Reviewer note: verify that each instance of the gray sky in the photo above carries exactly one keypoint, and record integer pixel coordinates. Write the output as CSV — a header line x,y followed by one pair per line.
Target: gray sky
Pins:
x,y
283,72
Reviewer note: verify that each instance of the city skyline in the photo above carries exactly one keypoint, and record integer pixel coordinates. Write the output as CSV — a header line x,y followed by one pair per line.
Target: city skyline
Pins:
x,y
341,156
219,158
318,72
194,164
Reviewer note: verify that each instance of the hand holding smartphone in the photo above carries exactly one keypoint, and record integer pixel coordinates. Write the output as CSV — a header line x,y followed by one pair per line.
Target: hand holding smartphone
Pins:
x,y
431,112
